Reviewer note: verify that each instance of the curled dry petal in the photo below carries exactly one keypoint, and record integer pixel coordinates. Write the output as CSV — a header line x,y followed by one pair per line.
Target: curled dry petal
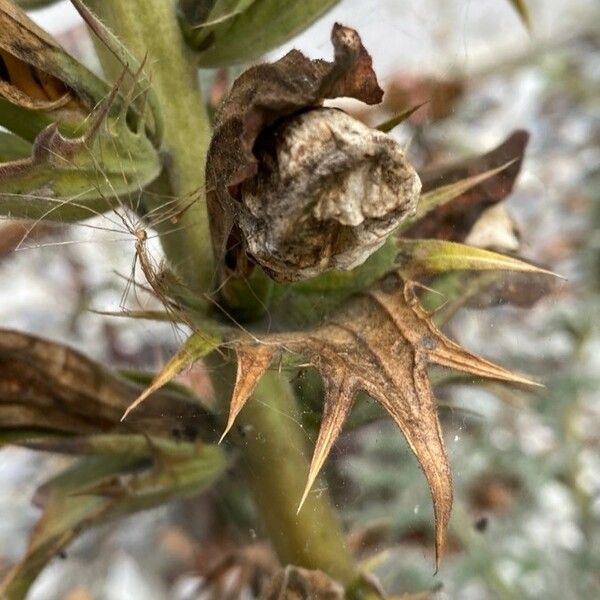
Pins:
x,y
453,220
379,343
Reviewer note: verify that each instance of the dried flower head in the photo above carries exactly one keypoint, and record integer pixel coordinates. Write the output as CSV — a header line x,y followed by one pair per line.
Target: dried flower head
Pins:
x,y
296,187
328,192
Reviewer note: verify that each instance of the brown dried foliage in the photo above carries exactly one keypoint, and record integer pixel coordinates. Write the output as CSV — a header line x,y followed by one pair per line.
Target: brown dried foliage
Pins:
x,y
260,97
454,220
45,385
379,343
28,75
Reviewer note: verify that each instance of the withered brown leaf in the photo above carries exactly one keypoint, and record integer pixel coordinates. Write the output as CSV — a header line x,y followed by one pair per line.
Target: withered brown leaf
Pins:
x,y
45,385
454,220
380,343
265,94
295,583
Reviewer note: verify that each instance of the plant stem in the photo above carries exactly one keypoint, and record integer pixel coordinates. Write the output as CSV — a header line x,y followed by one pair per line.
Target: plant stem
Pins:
x,y
274,447
150,30
275,463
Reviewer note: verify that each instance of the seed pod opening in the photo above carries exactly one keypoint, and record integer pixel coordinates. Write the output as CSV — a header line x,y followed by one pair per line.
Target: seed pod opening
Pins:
x,y
328,192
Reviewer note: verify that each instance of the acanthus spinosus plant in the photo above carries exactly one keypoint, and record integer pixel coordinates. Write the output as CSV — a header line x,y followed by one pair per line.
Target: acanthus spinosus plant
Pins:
x,y
282,207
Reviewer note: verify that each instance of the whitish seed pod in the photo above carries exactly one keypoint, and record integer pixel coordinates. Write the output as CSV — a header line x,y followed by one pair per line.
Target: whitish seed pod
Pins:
x,y
328,192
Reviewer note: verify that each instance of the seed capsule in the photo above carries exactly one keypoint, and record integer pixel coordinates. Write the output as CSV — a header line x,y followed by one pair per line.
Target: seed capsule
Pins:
x,y
328,192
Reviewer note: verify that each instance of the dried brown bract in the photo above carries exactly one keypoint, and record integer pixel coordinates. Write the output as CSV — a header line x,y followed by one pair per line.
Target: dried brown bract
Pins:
x,y
303,190
454,220
379,343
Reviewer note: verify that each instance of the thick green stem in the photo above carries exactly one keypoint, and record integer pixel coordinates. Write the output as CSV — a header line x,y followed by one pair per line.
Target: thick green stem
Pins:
x,y
275,460
150,30
274,447
274,443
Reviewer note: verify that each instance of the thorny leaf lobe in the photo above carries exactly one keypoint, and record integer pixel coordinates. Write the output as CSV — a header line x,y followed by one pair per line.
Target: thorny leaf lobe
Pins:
x,y
379,343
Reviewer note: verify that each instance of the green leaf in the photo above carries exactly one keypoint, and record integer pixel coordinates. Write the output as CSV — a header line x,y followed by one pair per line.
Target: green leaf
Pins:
x,y
186,470
26,124
263,26
417,257
140,95
97,488
390,124
14,436
198,345
92,146
523,11
63,514
135,446
200,19
13,147
68,179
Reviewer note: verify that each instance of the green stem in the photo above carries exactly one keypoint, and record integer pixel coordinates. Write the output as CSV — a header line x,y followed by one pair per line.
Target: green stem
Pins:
x,y
274,446
151,31
275,461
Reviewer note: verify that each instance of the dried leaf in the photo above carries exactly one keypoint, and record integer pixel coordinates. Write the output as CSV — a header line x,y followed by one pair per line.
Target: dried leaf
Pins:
x,y
381,344
408,89
14,233
418,257
261,26
38,75
452,220
27,77
47,386
518,289
198,345
295,583
263,95
441,196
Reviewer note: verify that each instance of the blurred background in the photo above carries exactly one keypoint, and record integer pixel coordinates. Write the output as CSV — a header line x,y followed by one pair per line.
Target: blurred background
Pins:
x,y
526,521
